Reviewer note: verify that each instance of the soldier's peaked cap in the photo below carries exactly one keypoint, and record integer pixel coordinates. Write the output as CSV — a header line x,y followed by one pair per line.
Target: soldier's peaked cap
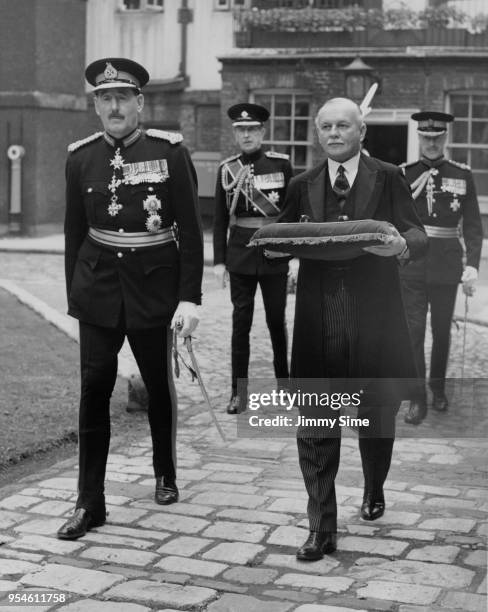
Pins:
x,y
432,123
111,72
247,114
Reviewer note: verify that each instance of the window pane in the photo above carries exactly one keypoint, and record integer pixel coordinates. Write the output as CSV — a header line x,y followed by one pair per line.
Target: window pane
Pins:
x,y
283,106
480,107
481,182
282,129
282,149
264,100
132,4
479,159
460,106
301,107
300,156
460,155
301,130
460,132
479,132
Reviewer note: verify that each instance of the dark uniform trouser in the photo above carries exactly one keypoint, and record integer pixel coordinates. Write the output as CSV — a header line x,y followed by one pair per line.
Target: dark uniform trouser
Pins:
x,y
319,456
99,347
242,291
417,296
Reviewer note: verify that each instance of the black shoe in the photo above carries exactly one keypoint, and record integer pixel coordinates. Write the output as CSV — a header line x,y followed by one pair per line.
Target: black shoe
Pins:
x,y
77,525
417,412
166,492
439,401
372,508
318,544
237,404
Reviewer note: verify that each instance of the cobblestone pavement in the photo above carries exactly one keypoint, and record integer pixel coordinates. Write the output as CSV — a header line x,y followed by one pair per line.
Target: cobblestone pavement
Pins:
x,y
229,545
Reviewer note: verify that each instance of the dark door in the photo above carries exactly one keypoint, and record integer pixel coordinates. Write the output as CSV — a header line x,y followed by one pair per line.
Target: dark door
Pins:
x,y
387,142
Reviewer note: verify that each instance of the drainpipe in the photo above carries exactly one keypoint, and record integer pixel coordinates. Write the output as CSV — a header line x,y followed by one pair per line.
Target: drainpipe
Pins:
x,y
15,153
185,16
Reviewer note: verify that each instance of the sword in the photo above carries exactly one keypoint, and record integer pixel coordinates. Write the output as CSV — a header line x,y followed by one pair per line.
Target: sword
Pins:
x,y
464,334
195,373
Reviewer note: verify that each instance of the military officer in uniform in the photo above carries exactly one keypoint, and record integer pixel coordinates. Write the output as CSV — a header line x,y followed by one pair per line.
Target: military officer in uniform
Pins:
x,y
134,263
445,197
250,192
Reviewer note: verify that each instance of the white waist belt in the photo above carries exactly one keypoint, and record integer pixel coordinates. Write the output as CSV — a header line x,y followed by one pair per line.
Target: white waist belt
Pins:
x,y
441,232
131,239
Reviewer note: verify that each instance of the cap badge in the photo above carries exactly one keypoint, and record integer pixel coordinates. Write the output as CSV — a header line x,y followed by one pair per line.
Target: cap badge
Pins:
x,y
110,72
244,114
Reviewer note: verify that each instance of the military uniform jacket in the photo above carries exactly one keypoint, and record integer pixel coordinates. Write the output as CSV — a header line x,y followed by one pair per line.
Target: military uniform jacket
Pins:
x,y
269,175
146,283
447,199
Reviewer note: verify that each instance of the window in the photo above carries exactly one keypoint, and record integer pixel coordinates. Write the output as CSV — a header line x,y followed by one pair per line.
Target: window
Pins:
x,y
225,5
143,5
468,136
289,128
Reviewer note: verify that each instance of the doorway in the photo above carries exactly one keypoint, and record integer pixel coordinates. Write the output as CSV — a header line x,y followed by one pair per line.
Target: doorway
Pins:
x,y
387,142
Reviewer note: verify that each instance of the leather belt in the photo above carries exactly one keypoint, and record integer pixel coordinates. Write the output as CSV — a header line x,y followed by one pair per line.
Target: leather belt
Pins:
x,y
254,222
441,232
131,239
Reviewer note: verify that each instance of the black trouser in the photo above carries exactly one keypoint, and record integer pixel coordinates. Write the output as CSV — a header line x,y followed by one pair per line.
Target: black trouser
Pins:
x,y
319,455
242,291
99,347
418,296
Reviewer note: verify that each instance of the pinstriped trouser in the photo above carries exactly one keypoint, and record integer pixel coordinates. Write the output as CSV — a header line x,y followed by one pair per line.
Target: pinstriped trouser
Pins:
x,y
319,456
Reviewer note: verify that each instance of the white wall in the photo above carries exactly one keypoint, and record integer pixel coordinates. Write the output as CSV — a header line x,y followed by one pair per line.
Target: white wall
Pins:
x,y
153,38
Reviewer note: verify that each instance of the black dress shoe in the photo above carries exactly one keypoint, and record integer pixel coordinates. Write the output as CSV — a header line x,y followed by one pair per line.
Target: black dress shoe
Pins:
x,y
237,404
166,492
439,401
372,509
318,544
77,525
417,412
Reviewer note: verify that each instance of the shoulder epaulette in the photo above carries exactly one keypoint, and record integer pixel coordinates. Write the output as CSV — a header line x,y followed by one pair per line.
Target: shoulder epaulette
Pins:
x,y
172,137
229,159
277,155
84,141
459,164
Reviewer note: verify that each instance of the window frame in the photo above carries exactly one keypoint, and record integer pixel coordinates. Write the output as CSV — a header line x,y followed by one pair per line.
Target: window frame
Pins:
x,y
470,94
145,6
230,5
269,135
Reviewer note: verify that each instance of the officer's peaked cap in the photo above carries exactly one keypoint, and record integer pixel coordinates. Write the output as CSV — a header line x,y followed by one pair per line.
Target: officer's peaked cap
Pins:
x,y
111,72
247,114
432,123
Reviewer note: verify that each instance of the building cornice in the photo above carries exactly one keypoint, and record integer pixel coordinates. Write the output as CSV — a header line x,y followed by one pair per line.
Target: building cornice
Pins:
x,y
42,99
413,52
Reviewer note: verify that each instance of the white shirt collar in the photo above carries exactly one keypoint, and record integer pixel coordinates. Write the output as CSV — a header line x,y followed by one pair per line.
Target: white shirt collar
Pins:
x,y
350,166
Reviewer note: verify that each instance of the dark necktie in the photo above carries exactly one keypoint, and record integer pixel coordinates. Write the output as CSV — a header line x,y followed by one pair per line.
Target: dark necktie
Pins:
x,y
341,185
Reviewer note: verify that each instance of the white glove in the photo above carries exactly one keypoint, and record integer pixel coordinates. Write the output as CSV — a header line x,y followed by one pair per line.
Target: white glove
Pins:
x,y
293,269
397,246
185,319
469,278
221,275
274,254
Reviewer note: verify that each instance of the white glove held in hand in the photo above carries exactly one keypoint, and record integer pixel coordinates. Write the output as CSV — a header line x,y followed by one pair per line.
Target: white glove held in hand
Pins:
x,y
185,319
469,278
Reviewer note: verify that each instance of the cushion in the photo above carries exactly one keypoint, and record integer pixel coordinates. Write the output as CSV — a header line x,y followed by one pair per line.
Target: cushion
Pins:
x,y
326,241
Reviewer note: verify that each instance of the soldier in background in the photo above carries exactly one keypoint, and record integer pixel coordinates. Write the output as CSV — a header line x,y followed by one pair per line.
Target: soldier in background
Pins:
x,y
128,273
250,192
445,197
